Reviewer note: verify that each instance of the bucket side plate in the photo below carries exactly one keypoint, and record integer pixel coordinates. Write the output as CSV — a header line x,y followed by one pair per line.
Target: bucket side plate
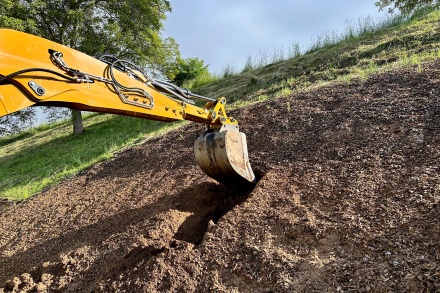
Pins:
x,y
224,156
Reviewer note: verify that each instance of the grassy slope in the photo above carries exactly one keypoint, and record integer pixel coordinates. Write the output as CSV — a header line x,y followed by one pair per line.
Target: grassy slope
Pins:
x,y
402,44
36,160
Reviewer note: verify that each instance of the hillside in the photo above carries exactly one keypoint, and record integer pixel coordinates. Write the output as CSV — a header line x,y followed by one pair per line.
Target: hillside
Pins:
x,y
397,42
347,201
345,142
394,43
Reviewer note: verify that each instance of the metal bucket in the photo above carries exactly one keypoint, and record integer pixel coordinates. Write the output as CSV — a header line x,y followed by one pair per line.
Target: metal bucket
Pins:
x,y
223,155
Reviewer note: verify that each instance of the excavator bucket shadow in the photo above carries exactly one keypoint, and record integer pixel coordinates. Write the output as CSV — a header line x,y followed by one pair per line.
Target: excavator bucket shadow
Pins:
x,y
223,156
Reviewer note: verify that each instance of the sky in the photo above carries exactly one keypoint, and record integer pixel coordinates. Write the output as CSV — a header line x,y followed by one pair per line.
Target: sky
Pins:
x,y
227,32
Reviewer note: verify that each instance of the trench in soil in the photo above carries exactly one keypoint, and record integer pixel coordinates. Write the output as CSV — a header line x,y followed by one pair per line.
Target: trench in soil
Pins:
x,y
208,202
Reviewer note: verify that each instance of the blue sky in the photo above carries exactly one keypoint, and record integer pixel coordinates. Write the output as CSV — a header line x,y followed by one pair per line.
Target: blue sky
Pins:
x,y
227,32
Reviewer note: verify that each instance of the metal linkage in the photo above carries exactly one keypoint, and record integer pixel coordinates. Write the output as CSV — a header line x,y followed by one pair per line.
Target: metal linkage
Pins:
x,y
57,59
163,86
147,101
133,71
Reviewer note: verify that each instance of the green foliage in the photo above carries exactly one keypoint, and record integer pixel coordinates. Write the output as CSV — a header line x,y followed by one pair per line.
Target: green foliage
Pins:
x,y
54,114
17,121
127,29
189,69
283,92
248,66
228,71
201,80
405,6
362,27
12,20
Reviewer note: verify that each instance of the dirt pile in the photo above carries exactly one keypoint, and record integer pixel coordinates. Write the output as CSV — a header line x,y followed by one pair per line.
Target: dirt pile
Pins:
x,y
347,201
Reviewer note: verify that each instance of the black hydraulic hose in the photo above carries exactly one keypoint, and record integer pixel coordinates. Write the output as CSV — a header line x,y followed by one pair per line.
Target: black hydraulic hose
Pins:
x,y
173,89
14,74
164,86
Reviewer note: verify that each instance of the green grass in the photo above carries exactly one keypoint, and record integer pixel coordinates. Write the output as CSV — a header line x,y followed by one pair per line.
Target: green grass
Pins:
x,y
43,158
202,80
393,42
36,159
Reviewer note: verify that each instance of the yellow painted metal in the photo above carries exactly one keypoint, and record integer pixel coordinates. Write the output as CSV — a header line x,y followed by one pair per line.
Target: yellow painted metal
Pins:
x,y
22,51
222,154
12,99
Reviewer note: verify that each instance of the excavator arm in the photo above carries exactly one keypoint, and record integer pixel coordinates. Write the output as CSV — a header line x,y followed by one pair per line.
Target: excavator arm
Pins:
x,y
36,71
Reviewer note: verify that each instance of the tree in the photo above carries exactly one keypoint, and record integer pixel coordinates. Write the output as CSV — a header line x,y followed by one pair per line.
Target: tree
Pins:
x,y
17,121
54,114
127,29
405,6
188,69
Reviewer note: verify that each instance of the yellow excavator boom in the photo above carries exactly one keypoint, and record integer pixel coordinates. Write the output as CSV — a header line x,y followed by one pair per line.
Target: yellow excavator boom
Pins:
x,y
36,71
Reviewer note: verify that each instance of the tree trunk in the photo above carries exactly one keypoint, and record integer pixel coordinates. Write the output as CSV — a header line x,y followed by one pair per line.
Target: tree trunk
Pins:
x,y
78,127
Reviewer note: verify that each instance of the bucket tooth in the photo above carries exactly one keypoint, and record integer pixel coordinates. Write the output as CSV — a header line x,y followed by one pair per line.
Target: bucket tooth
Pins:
x,y
223,155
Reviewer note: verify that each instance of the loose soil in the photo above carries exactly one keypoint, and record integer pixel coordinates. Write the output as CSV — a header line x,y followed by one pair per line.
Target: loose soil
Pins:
x,y
347,201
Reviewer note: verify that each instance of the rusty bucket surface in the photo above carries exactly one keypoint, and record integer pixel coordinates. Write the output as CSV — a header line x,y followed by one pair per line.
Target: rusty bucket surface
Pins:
x,y
224,156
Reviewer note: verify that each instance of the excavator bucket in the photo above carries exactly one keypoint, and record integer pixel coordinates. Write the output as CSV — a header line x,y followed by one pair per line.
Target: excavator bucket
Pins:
x,y
223,155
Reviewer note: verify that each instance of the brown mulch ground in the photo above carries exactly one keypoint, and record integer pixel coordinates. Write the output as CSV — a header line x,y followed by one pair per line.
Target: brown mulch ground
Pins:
x,y
347,201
